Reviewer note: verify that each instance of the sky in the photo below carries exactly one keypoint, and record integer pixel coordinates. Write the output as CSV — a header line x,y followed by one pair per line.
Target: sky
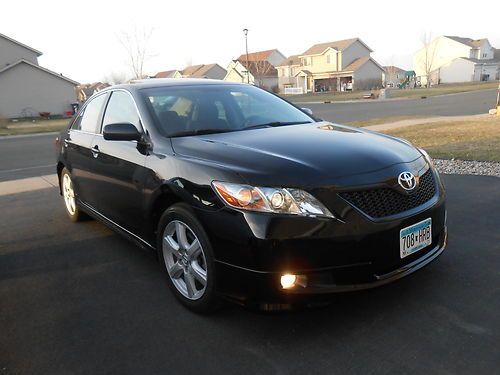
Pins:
x,y
81,39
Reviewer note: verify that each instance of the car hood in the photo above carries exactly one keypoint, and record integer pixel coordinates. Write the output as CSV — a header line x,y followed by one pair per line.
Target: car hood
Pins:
x,y
299,155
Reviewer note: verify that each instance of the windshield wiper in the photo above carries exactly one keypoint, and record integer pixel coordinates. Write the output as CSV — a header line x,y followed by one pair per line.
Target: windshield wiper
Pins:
x,y
275,124
199,132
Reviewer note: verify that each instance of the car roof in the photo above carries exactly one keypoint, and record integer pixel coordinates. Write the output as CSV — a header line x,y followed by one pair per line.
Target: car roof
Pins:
x,y
169,82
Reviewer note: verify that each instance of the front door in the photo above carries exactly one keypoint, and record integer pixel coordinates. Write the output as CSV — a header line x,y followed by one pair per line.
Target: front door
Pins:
x,y
77,147
119,167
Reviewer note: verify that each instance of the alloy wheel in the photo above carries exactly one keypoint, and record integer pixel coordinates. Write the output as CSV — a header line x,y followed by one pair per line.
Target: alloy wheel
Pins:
x,y
184,259
69,194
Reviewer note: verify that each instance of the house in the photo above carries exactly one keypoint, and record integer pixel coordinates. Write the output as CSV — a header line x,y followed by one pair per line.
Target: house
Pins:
x,y
86,90
272,56
259,66
288,81
393,76
212,71
449,59
237,72
168,74
333,66
26,88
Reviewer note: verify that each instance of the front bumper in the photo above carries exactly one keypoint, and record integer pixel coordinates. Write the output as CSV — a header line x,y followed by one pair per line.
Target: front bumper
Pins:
x,y
253,250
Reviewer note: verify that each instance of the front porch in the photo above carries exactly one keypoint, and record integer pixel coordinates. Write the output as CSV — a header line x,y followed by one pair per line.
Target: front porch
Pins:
x,y
324,82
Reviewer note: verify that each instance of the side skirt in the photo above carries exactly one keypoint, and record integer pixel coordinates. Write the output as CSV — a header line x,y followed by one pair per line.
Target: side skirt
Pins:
x,y
116,227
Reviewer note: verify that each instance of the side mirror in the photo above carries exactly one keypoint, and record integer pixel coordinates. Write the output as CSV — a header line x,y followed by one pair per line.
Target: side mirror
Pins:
x,y
308,111
121,132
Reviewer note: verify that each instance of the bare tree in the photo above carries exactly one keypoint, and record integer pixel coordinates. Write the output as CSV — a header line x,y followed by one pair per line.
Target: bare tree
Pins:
x,y
116,78
260,69
427,60
135,43
390,75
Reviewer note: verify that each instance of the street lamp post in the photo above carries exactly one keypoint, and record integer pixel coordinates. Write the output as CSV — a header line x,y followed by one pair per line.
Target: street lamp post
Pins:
x,y
245,31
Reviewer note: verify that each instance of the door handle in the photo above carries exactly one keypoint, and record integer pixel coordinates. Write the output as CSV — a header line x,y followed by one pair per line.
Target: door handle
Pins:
x,y
95,151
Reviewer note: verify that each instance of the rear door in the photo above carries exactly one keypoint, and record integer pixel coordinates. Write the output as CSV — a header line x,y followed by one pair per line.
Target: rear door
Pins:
x,y
119,166
77,147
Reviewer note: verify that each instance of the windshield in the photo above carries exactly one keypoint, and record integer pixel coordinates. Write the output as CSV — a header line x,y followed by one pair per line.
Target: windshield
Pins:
x,y
191,110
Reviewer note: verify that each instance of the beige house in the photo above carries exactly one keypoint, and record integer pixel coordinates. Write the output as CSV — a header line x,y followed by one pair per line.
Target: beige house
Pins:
x,y
341,65
86,90
212,71
288,79
26,88
449,59
169,74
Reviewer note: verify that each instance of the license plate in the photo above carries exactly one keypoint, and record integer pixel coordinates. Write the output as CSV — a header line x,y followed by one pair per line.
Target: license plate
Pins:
x,y
415,237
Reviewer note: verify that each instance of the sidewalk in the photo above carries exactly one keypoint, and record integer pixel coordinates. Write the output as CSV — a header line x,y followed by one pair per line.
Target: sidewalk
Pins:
x,y
420,120
28,184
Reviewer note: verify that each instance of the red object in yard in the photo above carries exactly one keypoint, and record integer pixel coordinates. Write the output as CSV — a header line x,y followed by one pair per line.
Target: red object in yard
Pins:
x,y
68,113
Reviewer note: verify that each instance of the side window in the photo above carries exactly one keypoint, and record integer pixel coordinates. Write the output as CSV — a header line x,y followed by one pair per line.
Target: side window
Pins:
x,y
88,119
121,109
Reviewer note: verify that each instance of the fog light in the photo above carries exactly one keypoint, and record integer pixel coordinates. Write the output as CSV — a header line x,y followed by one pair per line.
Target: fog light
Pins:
x,y
288,281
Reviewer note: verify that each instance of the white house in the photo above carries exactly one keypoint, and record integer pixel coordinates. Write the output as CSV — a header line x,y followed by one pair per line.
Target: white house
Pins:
x,y
259,68
237,72
450,59
26,88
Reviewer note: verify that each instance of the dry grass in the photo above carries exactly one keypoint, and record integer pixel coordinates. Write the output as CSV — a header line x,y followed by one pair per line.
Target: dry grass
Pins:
x,y
30,127
395,93
467,140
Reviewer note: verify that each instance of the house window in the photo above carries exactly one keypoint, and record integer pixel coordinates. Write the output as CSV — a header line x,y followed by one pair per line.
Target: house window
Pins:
x,y
328,59
484,55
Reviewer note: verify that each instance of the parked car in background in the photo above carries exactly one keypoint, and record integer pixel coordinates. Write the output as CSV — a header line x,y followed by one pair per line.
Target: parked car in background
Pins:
x,y
246,196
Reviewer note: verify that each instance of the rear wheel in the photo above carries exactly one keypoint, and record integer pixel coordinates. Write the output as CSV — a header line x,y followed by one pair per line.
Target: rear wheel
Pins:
x,y
186,254
68,193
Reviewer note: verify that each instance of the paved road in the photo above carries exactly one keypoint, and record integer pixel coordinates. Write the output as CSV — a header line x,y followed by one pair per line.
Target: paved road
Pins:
x,y
32,156
78,299
470,103
27,156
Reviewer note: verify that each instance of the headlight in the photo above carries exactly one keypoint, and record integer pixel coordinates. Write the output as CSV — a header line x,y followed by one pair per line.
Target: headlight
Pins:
x,y
426,156
275,200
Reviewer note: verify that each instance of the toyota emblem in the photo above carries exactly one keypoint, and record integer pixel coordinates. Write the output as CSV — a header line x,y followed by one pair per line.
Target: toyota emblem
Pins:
x,y
407,181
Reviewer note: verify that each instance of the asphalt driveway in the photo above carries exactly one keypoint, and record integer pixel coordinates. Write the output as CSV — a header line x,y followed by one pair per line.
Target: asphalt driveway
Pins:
x,y
79,299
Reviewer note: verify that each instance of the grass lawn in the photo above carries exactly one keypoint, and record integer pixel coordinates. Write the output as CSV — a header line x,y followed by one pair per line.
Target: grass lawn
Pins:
x,y
465,140
395,93
29,127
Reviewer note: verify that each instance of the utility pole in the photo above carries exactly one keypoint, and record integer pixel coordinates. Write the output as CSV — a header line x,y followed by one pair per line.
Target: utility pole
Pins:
x,y
245,31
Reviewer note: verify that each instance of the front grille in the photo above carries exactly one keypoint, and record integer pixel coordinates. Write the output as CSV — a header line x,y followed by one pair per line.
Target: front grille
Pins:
x,y
383,202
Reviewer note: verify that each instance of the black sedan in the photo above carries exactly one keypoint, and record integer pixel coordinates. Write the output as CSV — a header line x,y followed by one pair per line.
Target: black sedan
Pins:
x,y
245,196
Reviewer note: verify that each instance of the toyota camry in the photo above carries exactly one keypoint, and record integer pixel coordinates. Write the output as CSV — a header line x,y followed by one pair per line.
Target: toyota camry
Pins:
x,y
245,196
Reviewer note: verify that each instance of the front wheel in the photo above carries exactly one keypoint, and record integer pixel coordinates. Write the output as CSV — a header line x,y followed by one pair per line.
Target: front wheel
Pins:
x,y
68,193
186,254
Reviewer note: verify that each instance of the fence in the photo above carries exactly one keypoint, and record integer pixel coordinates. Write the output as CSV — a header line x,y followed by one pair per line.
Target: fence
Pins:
x,y
293,90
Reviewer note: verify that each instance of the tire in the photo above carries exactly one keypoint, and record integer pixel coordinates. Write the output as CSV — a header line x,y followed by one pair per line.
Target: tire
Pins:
x,y
186,255
69,195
